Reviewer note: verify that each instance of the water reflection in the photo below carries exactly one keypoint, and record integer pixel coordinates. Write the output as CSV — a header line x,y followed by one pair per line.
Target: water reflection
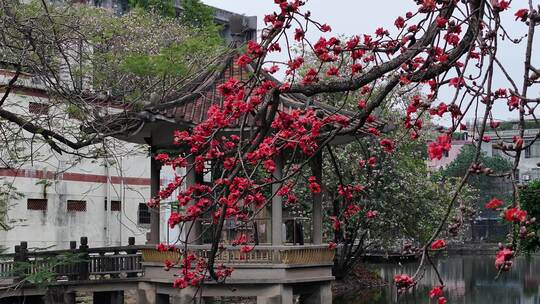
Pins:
x,y
468,279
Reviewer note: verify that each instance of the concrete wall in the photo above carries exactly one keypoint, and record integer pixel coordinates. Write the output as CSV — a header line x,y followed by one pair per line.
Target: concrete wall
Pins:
x,y
59,178
56,226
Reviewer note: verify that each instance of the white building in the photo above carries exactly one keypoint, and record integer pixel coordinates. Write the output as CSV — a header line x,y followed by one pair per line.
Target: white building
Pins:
x,y
530,157
64,197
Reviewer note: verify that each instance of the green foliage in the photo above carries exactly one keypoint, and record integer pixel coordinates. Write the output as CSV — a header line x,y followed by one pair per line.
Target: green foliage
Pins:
x,y
42,272
168,62
530,201
7,192
399,188
164,8
146,52
464,159
509,125
200,18
488,187
197,14
75,112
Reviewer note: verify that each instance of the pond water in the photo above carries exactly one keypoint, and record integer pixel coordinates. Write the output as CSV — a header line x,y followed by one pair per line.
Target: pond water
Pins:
x,y
468,280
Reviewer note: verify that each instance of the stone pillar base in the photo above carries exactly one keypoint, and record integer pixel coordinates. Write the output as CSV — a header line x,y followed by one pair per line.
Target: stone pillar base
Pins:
x,y
322,294
285,296
146,293
187,295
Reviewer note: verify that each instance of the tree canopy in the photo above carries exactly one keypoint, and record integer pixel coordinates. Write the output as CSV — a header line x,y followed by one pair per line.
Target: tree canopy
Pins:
x,y
86,58
488,188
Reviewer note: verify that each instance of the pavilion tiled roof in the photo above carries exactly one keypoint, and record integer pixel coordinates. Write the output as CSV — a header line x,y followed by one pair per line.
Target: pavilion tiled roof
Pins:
x,y
195,110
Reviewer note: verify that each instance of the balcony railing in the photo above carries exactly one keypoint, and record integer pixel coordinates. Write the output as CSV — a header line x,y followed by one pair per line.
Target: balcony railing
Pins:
x,y
286,255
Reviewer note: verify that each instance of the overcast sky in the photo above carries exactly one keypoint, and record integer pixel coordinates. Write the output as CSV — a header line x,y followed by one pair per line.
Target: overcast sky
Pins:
x,y
347,17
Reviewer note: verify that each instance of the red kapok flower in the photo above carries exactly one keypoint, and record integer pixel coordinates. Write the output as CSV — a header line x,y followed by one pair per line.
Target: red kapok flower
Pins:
x,y
271,70
332,71
518,141
501,5
372,214
400,22
457,82
441,22
299,34
522,14
313,185
515,215
494,124
438,244
162,247
513,102
168,265
269,165
503,259
332,245
174,219
441,300
374,131
336,223
435,292
437,148
162,157
403,282
326,28
246,249
387,145
494,204
243,60
310,77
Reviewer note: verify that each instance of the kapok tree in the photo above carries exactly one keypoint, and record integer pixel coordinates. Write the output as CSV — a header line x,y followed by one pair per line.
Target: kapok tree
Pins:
x,y
445,48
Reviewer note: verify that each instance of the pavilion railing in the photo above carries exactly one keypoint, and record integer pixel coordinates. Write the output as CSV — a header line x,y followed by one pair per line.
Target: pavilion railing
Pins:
x,y
286,255
73,264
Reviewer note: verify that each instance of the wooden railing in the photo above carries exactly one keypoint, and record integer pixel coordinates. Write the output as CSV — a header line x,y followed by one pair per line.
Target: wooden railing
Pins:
x,y
84,263
289,255
74,264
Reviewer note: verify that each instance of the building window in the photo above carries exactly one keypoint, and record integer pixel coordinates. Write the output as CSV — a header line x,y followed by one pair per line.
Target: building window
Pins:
x,y
446,153
528,152
207,172
115,205
76,205
38,108
36,204
143,214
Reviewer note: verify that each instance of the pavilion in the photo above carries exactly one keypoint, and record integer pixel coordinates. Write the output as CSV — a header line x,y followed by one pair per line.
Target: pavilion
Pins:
x,y
288,270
